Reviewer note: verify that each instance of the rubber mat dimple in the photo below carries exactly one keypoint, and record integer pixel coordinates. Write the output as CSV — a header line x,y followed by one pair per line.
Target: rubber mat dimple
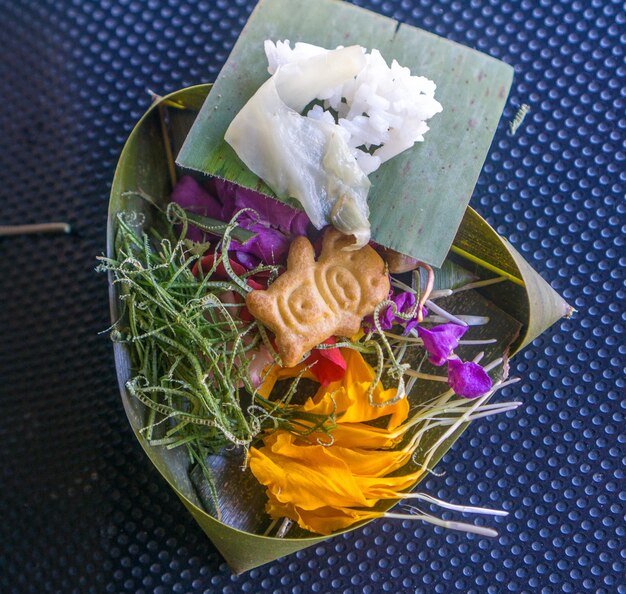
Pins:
x,y
82,509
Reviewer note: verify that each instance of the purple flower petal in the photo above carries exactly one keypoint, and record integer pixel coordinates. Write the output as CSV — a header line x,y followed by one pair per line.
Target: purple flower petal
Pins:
x,y
191,196
274,223
194,198
410,325
440,341
387,318
404,301
271,212
268,245
248,260
468,379
414,322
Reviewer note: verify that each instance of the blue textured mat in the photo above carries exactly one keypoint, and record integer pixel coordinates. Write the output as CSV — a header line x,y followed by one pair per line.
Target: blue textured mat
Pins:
x,y
82,510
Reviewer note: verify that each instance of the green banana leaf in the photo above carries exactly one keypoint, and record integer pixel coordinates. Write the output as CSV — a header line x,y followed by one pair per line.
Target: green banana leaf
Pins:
x,y
531,300
519,313
417,199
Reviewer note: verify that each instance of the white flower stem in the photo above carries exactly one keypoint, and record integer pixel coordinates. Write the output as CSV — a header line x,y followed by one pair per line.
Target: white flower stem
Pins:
x,y
460,526
500,410
400,285
493,364
464,418
440,294
444,314
284,528
461,508
479,284
468,320
426,376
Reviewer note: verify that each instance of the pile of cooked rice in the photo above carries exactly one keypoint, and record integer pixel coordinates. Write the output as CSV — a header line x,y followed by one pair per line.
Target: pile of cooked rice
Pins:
x,y
381,112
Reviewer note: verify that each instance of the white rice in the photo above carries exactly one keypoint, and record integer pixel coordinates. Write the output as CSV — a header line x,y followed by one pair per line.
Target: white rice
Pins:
x,y
383,108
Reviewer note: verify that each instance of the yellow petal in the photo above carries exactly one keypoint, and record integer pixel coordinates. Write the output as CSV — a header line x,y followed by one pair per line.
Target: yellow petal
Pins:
x,y
274,372
387,487
310,476
359,435
325,488
370,463
360,409
351,404
324,520
357,382
328,403
349,396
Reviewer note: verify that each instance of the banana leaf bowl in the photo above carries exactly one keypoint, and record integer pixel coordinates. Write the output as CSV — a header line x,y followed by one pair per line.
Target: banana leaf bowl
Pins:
x,y
523,308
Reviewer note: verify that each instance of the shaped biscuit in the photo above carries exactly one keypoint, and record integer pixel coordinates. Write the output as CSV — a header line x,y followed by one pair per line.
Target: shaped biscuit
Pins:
x,y
313,300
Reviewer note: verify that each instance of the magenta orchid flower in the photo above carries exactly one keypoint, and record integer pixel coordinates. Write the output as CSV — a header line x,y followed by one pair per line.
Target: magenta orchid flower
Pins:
x,y
440,341
468,379
405,303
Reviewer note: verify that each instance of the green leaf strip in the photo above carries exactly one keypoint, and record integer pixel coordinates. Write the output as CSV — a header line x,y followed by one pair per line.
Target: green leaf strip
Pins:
x,y
487,265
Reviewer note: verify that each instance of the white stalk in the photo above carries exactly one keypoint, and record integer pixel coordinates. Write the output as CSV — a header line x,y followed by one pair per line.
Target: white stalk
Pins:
x,y
426,376
460,526
284,528
479,284
461,508
400,285
440,294
444,314
493,364
467,320
462,419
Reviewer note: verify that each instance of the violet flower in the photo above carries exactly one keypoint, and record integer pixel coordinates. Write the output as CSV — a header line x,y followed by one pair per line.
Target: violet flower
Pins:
x,y
270,212
468,379
414,322
440,341
268,246
405,302
192,197
274,223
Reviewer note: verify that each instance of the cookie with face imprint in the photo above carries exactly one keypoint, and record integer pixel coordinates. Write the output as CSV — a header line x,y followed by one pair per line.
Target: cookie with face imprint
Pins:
x,y
313,300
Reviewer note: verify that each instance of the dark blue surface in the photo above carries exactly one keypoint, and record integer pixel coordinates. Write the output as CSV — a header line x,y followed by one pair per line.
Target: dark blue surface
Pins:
x,y
81,508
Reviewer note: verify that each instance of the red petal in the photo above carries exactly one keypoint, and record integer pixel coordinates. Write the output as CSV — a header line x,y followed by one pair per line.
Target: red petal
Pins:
x,y
245,315
254,284
328,365
206,263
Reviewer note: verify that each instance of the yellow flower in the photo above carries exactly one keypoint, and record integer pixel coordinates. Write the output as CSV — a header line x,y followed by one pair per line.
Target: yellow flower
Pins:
x,y
323,520
349,396
329,487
